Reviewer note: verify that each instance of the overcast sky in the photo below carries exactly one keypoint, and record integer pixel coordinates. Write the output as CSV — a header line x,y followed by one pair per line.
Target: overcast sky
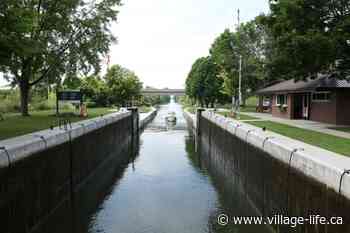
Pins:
x,y
160,39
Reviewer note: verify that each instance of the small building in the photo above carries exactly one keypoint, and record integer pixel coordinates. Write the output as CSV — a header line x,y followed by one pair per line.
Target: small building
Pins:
x,y
324,99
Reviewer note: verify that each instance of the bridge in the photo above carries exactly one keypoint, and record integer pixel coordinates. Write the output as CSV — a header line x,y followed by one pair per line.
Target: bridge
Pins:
x,y
163,92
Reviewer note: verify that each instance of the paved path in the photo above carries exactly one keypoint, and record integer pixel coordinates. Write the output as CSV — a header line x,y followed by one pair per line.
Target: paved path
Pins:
x,y
304,124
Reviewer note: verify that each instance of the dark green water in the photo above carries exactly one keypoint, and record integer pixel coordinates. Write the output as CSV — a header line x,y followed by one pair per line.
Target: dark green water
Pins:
x,y
166,188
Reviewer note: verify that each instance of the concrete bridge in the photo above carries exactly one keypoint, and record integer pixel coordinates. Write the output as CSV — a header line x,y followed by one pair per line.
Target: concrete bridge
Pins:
x,y
163,92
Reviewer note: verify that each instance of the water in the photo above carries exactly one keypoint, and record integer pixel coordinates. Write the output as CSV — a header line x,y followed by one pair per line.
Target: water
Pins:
x,y
165,189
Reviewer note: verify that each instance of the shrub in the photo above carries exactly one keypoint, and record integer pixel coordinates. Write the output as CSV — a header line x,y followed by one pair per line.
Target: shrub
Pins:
x,y
42,105
91,104
11,103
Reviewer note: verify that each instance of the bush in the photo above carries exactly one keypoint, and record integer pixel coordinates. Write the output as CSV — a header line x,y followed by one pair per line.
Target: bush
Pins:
x,y
11,103
91,104
40,103
43,105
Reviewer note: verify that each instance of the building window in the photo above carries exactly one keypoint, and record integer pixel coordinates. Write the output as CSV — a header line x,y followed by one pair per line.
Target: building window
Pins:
x,y
321,96
281,100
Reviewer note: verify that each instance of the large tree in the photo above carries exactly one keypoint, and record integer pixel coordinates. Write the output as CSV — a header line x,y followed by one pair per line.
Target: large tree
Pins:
x,y
249,42
311,36
204,83
46,39
123,85
95,89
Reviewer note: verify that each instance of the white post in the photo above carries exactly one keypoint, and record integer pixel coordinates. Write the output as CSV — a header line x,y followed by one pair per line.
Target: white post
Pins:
x,y
240,76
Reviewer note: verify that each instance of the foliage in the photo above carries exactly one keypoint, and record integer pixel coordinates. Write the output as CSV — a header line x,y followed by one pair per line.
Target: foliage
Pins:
x,y
122,85
154,100
9,102
72,83
164,99
95,90
203,82
50,39
311,36
249,42
223,55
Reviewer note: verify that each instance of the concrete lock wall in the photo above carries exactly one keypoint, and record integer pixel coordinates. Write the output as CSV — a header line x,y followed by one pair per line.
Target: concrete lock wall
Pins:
x,y
147,118
40,172
276,174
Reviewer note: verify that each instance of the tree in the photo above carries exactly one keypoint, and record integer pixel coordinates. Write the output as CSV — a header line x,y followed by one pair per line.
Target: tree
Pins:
x,y
203,82
311,36
123,85
51,38
95,89
224,55
249,42
72,83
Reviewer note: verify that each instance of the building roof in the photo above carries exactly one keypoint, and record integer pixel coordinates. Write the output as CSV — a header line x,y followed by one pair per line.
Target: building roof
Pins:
x,y
322,81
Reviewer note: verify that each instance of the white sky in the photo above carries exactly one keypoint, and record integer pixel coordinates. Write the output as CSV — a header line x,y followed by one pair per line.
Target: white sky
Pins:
x,y
160,39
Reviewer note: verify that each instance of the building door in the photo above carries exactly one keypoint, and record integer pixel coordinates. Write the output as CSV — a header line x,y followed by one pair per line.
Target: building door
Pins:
x,y
306,106
298,106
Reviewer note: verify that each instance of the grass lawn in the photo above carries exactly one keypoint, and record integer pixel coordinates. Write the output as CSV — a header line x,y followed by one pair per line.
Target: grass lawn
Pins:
x,y
329,142
249,108
16,125
242,116
144,109
346,130
252,101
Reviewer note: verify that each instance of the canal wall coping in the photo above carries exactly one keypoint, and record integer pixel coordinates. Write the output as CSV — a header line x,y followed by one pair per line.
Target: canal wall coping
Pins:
x,y
190,117
145,118
18,148
322,165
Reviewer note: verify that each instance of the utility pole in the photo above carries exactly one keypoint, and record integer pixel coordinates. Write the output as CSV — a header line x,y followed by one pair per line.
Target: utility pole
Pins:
x,y
238,108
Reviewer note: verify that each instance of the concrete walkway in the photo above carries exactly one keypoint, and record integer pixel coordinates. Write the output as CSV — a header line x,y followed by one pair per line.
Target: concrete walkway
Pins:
x,y
304,124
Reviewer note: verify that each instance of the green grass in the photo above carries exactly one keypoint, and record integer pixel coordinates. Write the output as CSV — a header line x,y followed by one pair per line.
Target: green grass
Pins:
x,y
251,104
16,125
242,116
248,108
346,130
329,142
252,101
144,109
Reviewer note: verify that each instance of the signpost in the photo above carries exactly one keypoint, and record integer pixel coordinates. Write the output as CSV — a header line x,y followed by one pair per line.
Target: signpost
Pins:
x,y
74,97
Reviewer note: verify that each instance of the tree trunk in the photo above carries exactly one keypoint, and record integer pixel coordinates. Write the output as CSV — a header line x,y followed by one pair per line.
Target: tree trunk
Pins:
x,y
244,101
24,90
201,103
